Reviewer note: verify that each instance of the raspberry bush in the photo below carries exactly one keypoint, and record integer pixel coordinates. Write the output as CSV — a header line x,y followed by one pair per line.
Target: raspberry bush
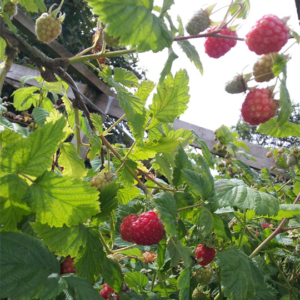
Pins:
x,y
153,217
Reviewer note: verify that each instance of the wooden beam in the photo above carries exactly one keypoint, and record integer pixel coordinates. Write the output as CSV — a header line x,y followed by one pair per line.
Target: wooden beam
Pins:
x,y
298,8
57,50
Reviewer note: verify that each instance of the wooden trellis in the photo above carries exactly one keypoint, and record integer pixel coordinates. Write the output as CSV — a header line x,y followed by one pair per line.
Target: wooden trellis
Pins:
x,y
105,99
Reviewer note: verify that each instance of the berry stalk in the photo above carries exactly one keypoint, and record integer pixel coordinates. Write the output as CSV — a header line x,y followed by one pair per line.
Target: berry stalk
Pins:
x,y
277,231
214,34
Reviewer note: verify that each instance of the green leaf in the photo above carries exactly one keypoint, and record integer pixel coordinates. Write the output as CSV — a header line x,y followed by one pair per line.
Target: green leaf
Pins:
x,y
205,150
97,122
9,137
192,54
279,64
224,135
203,218
60,200
200,183
95,147
34,154
166,206
287,211
40,115
144,90
108,199
12,208
164,145
172,98
136,280
63,241
91,256
221,228
183,283
134,23
178,251
163,163
236,193
25,264
240,276
182,162
54,286
285,101
273,129
33,5
296,36
124,175
168,65
125,195
137,123
79,289
166,6
25,98
244,11
112,274
69,159
125,77
161,252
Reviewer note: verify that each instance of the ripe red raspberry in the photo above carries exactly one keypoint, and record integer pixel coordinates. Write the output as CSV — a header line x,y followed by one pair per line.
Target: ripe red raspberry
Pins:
x,y
126,227
205,255
258,107
107,291
67,266
148,229
269,34
265,225
217,47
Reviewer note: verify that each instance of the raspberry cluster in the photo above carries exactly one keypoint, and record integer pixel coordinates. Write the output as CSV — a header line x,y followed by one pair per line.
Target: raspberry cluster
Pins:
x,y
205,255
145,230
107,292
258,107
269,34
217,47
67,266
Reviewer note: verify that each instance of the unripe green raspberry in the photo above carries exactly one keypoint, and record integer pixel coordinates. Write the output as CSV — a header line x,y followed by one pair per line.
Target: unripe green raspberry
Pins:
x,y
102,180
198,23
269,154
47,28
262,69
204,275
11,9
48,25
199,295
236,85
291,160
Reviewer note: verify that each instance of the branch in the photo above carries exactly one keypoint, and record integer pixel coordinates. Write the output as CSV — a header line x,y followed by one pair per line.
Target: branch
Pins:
x,y
214,34
277,231
10,53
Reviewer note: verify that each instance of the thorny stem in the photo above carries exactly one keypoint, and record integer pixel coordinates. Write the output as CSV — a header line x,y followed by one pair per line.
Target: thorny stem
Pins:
x,y
113,125
284,185
277,231
104,244
77,128
151,178
153,280
125,248
189,207
212,34
106,143
84,58
108,159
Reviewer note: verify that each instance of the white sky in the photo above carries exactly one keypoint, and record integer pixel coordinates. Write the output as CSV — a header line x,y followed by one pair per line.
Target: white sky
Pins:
x,y
210,106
